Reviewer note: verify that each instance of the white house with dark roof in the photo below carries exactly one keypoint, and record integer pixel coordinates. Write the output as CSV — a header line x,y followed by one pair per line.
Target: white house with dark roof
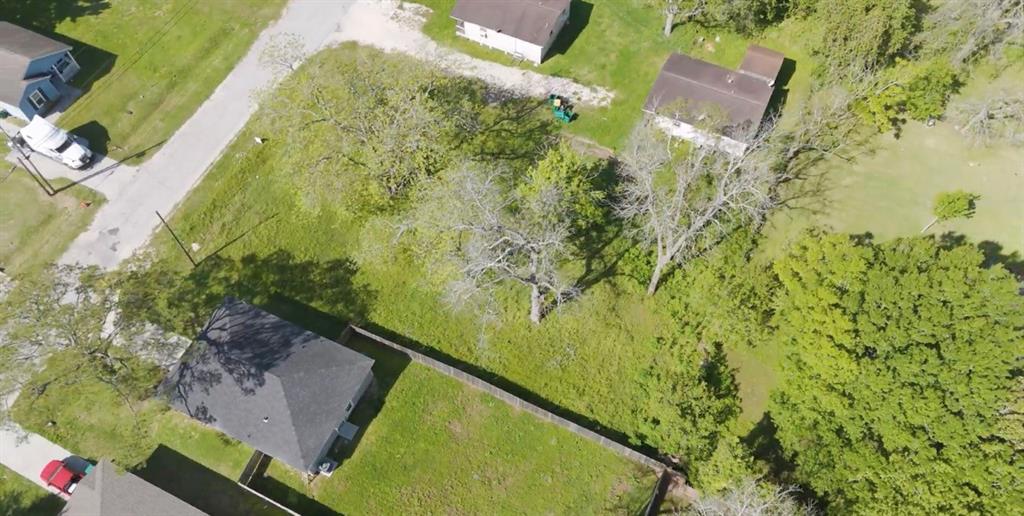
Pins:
x,y
526,29
711,105
33,71
281,389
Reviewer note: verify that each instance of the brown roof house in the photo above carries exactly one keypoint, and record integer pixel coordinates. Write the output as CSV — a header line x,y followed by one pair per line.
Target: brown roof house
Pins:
x,y
523,28
285,391
108,492
33,71
707,104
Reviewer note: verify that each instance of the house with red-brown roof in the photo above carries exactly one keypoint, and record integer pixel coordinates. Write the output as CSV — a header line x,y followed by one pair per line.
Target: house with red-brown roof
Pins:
x,y
709,104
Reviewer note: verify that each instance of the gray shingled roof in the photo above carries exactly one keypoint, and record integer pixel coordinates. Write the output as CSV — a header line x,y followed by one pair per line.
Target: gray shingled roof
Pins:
x,y
107,492
528,20
27,44
267,382
18,47
704,86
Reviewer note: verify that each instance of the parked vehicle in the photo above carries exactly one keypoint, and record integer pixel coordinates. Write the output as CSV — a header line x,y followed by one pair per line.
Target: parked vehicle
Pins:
x,y
58,475
53,142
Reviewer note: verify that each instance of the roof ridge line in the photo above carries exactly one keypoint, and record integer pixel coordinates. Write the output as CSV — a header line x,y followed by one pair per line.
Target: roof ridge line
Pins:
x,y
712,88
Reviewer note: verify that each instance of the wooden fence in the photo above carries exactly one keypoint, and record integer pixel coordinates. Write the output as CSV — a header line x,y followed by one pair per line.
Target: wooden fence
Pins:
x,y
512,399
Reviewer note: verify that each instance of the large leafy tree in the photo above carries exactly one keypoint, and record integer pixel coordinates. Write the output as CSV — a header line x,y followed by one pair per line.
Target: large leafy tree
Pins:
x,y
859,34
898,376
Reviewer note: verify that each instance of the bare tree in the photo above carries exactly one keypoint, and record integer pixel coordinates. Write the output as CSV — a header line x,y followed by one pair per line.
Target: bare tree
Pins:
x,y
495,234
674,10
684,206
751,498
969,28
283,53
997,116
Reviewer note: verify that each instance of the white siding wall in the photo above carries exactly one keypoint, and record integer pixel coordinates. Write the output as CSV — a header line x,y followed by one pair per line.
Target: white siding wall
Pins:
x,y
503,42
15,111
699,136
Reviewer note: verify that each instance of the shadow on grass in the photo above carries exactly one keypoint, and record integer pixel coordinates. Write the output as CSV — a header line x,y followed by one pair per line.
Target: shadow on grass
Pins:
x,y
781,93
287,496
579,18
200,487
764,443
96,134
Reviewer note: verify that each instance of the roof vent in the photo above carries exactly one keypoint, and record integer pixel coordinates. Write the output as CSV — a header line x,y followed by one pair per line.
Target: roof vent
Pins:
x,y
266,419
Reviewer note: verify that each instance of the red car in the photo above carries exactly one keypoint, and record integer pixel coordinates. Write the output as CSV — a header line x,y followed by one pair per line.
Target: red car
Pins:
x,y
57,474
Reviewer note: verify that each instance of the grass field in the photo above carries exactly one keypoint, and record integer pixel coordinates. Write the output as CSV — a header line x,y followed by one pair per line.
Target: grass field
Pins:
x,y
147,65
19,497
889,191
437,446
36,228
495,459
617,44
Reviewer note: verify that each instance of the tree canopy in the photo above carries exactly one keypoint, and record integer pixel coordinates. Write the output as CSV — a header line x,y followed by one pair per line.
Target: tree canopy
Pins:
x,y
898,374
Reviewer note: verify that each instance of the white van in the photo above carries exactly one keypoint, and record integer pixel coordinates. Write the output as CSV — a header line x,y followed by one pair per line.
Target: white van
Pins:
x,y
51,141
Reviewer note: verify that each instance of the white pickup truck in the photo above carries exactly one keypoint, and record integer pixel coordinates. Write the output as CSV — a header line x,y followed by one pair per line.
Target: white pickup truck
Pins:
x,y
53,142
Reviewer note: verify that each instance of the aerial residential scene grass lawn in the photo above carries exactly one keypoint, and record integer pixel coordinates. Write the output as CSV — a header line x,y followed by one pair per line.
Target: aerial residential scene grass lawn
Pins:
x,y
781,348
146,65
36,228
618,45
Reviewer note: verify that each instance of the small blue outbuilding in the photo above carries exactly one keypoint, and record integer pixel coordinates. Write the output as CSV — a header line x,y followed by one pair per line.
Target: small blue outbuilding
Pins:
x,y
33,71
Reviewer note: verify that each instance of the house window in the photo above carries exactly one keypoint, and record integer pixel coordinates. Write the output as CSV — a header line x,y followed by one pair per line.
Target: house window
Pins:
x,y
460,27
62,65
483,33
38,99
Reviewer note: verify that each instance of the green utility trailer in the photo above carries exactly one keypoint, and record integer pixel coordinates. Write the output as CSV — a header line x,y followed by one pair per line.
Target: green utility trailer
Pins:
x,y
561,108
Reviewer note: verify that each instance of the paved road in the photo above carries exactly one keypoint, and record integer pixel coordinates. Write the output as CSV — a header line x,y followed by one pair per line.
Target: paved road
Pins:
x,y
127,220
26,453
125,223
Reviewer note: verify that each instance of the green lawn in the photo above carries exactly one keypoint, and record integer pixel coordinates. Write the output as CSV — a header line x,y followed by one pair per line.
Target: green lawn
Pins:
x,y
618,45
437,446
147,65
36,228
195,463
19,497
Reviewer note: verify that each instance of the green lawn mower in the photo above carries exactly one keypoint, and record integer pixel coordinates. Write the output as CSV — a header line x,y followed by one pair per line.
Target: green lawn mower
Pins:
x,y
561,108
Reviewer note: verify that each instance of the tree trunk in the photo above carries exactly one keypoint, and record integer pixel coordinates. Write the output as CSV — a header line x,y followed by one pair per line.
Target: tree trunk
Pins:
x,y
659,268
930,224
535,302
670,16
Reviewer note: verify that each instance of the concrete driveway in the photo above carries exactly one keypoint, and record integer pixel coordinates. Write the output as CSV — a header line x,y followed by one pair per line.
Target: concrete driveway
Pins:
x,y
25,453
128,219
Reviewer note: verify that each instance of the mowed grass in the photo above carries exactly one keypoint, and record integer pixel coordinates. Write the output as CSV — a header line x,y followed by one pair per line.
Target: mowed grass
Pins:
x,y
437,446
889,191
36,228
147,65
618,45
19,497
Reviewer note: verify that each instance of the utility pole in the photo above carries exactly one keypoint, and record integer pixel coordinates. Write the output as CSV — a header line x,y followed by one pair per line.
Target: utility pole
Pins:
x,y
177,240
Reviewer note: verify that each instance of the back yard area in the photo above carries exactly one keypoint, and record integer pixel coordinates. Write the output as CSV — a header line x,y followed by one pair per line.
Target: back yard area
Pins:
x,y
617,44
147,65
428,443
